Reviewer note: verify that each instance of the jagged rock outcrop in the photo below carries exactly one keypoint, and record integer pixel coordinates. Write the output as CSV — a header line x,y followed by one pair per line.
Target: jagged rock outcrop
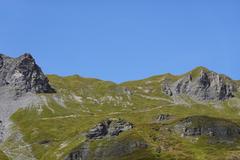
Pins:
x,y
115,148
20,79
219,129
109,127
204,85
163,117
23,74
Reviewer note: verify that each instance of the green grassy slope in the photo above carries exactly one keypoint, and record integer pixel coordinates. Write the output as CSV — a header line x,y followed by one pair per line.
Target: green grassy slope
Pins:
x,y
55,129
3,156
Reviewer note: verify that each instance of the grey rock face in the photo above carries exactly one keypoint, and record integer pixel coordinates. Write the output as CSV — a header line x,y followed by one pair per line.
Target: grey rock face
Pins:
x,y
167,89
104,152
20,79
118,149
212,127
207,86
23,74
109,127
10,103
80,153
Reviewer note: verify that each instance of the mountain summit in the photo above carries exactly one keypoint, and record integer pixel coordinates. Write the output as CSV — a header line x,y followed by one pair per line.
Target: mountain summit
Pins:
x,y
20,81
202,84
23,74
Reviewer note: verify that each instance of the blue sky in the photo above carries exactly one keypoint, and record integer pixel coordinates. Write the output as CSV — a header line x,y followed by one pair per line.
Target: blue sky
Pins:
x,y
122,40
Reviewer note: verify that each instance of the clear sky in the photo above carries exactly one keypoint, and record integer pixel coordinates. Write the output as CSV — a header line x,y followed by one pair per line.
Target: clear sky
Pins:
x,y
123,40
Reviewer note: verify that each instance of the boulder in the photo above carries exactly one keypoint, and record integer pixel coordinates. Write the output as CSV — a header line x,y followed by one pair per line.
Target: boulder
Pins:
x,y
163,117
109,127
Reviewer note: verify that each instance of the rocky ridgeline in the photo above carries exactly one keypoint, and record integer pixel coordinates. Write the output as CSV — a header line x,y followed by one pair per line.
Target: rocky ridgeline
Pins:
x,y
206,86
23,74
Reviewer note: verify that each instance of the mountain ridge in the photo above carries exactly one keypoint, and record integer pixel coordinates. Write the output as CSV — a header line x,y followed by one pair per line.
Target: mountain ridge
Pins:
x,y
132,120
195,69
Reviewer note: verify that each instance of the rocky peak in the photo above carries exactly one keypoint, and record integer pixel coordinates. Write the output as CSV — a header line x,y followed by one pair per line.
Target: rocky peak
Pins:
x,y
202,84
23,74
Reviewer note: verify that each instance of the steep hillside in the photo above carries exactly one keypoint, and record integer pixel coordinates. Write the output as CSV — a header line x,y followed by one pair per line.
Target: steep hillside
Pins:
x,y
190,116
3,156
